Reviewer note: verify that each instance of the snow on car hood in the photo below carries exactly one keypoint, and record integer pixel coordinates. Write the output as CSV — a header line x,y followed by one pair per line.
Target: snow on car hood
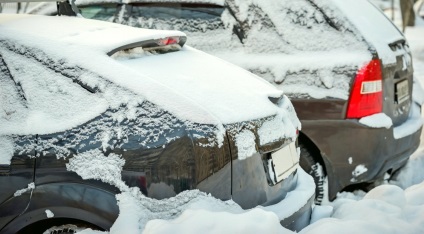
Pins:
x,y
190,84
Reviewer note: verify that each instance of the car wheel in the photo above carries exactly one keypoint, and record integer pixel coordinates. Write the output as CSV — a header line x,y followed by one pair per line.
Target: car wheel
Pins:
x,y
314,168
66,229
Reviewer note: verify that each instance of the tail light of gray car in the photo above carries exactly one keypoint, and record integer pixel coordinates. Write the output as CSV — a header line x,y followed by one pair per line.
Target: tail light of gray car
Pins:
x,y
366,97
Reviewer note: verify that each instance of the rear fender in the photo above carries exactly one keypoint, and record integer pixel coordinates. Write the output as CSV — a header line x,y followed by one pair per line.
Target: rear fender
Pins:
x,y
70,201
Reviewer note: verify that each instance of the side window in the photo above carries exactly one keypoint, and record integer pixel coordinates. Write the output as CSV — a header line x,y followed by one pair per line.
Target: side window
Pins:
x,y
39,100
12,99
100,12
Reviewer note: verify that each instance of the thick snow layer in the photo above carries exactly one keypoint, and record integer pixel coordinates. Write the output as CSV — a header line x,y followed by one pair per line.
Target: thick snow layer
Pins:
x,y
94,165
221,88
198,221
295,199
379,120
385,209
373,25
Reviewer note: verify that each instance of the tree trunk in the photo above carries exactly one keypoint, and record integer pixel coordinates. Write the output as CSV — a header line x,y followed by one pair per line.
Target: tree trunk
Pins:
x,y
408,15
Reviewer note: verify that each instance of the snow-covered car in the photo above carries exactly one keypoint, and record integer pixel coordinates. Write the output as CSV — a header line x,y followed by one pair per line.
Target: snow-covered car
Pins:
x,y
89,109
344,65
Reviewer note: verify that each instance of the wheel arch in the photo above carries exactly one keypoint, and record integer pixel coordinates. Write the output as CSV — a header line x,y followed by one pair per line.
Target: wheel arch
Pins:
x,y
314,148
72,201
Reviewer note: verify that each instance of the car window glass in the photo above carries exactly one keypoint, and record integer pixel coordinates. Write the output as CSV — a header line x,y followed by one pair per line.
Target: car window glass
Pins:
x,y
201,22
12,101
53,102
186,17
100,12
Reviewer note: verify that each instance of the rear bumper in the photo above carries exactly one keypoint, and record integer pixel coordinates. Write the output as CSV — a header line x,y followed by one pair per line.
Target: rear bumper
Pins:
x,y
295,209
354,153
291,199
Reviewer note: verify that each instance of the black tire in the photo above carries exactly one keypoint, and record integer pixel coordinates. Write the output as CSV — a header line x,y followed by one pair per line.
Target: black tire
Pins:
x,y
68,229
314,168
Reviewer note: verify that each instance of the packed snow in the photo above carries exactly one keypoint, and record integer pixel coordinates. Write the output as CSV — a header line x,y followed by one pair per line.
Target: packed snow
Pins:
x,y
379,120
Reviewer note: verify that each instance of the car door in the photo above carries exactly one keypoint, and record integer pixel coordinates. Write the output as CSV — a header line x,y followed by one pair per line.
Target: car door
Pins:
x,y
17,150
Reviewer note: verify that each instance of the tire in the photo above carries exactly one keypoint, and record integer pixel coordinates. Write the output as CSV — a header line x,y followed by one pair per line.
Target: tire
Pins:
x,y
314,168
66,229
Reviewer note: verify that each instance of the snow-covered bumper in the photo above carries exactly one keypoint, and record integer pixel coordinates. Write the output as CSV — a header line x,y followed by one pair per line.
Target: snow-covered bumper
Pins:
x,y
290,199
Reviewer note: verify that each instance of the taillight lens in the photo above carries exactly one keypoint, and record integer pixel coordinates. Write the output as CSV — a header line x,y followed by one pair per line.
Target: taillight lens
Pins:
x,y
366,97
168,41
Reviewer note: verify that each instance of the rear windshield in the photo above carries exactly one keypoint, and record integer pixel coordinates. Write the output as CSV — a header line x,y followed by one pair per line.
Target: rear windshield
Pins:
x,y
188,17
181,11
99,12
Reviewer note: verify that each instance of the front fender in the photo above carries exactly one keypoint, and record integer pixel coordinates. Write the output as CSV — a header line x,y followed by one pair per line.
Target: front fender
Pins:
x,y
70,201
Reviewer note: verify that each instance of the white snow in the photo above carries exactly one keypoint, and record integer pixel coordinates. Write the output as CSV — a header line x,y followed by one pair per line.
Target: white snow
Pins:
x,y
49,214
30,187
246,145
411,125
6,150
321,212
198,221
295,199
359,170
374,26
94,164
379,120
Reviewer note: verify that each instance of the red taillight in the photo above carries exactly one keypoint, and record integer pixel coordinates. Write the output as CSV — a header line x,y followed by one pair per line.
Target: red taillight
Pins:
x,y
366,97
169,41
